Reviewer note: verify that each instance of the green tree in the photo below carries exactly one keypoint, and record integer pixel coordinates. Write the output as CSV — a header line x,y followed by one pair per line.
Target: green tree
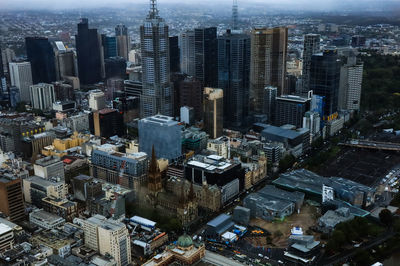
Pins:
x,y
286,162
386,217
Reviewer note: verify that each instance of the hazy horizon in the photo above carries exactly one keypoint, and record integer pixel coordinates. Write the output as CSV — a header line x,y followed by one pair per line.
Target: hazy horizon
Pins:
x,y
290,5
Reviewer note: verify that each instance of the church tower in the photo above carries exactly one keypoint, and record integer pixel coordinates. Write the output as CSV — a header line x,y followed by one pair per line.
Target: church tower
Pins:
x,y
154,179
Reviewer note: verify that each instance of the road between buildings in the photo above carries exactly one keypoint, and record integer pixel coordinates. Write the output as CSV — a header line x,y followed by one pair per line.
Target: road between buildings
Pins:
x,y
219,260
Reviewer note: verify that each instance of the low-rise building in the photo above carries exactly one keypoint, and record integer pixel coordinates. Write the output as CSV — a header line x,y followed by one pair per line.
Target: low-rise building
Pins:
x,y
45,220
330,219
6,237
185,252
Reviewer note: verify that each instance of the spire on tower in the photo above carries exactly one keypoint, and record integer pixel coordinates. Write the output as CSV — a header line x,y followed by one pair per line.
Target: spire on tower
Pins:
x,y
235,15
153,9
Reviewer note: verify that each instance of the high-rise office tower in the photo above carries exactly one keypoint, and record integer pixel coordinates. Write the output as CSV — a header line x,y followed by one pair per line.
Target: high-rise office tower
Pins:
x,y
8,57
199,55
11,200
88,53
213,111
162,132
174,57
157,94
41,56
325,78
107,123
269,100
311,46
233,76
123,42
97,100
115,67
350,84
1,64
109,44
42,96
65,62
290,109
21,77
268,63
190,93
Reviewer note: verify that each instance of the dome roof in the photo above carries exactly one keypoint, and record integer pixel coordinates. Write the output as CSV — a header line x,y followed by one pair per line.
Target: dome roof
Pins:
x,y
185,241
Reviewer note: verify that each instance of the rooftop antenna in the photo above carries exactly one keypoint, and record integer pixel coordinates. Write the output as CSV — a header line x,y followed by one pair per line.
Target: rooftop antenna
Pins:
x,y
235,15
153,9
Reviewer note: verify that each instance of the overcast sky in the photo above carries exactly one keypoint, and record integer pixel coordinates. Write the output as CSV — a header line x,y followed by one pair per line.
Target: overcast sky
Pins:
x,y
326,5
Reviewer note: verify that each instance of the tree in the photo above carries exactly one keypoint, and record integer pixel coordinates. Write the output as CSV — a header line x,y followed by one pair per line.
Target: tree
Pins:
x,y
386,217
286,162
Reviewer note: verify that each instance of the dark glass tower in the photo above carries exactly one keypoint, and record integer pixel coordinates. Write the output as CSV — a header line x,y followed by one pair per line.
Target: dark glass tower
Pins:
x,y
109,46
174,54
233,76
41,56
199,55
325,78
88,52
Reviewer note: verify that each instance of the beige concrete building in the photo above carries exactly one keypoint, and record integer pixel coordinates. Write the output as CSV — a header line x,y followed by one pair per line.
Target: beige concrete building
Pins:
x,y
6,237
213,111
108,236
220,146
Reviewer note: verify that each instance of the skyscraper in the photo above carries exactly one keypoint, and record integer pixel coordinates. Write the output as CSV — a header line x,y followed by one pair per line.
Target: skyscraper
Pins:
x,y
123,43
42,96
174,57
290,109
269,101
213,111
199,55
65,62
157,94
11,200
325,78
311,46
88,52
162,132
41,56
190,94
350,84
233,76
268,63
21,77
109,46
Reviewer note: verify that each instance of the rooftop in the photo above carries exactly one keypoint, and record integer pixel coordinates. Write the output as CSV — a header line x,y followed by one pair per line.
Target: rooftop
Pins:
x,y
47,161
4,228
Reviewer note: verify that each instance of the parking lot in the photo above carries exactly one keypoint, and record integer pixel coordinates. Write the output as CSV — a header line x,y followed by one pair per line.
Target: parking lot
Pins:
x,y
367,167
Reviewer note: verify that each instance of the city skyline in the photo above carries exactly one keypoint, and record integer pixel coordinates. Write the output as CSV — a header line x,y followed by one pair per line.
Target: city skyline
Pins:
x,y
299,5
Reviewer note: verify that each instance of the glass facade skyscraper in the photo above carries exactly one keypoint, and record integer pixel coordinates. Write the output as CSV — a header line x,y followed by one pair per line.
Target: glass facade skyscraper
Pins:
x,y
40,54
157,96
88,52
311,46
163,133
199,52
325,78
268,63
109,46
233,76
